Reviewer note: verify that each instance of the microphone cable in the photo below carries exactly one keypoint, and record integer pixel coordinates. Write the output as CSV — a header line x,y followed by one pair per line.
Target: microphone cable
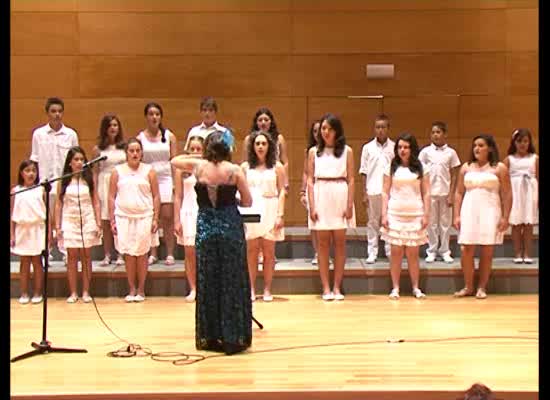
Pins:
x,y
131,349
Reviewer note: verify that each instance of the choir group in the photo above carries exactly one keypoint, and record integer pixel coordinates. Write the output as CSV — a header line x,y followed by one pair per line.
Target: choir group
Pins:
x,y
145,190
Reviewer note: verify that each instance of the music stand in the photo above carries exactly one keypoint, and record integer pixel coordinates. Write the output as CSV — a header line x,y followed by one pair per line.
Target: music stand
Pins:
x,y
45,346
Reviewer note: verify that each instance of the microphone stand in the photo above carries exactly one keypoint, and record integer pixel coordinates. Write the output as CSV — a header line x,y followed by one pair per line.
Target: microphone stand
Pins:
x,y
44,346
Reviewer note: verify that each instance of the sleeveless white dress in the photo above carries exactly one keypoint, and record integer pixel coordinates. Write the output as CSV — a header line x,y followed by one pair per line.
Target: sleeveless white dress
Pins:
x,y
265,198
70,217
331,193
114,157
29,215
525,190
157,154
405,209
134,211
188,212
481,211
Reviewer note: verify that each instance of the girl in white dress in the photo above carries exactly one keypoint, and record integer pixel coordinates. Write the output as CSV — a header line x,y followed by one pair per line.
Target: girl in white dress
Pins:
x,y
330,187
265,177
185,215
264,120
313,134
405,211
159,147
28,230
482,209
523,164
78,221
110,143
134,205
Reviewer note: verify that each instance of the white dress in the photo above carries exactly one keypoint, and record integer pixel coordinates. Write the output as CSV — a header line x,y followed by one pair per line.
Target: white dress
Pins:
x,y
405,209
330,192
114,157
188,212
525,190
71,214
265,198
29,215
481,212
134,211
157,154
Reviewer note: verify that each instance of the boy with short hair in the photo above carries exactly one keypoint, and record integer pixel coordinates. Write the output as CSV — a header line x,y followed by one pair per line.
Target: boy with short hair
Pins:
x,y
50,145
443,163
376,156
208,110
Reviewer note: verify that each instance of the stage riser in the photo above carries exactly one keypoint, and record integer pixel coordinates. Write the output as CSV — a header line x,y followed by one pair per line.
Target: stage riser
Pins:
x,y
354,248
109,287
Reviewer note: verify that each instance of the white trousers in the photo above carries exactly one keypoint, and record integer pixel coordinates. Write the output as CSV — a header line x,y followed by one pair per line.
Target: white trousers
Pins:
x,y
439,227
374,211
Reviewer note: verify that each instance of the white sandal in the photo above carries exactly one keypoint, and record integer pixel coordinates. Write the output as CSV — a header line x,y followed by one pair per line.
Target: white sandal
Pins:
x,y
418,293
152,260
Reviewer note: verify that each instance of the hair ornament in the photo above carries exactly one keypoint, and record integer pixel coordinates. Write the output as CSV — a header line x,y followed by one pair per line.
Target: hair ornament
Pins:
x,y
228,139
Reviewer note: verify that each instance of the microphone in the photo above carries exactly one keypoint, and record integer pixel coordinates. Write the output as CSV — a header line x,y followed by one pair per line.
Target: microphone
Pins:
x,y
92,162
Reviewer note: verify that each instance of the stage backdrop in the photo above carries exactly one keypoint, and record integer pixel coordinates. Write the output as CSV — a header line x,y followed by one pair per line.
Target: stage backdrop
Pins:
x,y
471,63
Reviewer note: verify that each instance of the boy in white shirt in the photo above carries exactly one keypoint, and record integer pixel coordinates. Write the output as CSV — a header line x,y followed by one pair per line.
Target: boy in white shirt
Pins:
x,y
50,145
208,110
444,164
375,157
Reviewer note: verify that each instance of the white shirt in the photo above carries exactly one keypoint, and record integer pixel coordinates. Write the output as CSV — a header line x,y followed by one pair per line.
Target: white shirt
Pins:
x,y
375,158
203,131
440,161
50,148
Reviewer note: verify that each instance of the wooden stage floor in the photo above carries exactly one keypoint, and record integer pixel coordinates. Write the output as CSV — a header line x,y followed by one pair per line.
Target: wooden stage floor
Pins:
x,y
308,349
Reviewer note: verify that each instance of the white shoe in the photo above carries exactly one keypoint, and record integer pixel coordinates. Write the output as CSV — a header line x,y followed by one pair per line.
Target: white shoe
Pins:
x,y
314,259
328,296
528,260
339,296
87,298
371,259
36,299
24,300
129,298
120,260
518,260
394,294
448,259
431,258
418,294
138,298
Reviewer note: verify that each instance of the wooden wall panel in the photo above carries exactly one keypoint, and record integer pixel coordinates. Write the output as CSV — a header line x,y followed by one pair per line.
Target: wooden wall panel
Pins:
x,y
300,58
416,114
181,33
485,114
440,74
44,33
522,73
524,113
522,33
43,6
213,6
401,5
43,76
357,115
27,114
410,32
184,76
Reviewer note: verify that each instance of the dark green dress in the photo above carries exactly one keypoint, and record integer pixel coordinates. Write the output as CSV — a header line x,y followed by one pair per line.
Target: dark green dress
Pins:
x,y
223,314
